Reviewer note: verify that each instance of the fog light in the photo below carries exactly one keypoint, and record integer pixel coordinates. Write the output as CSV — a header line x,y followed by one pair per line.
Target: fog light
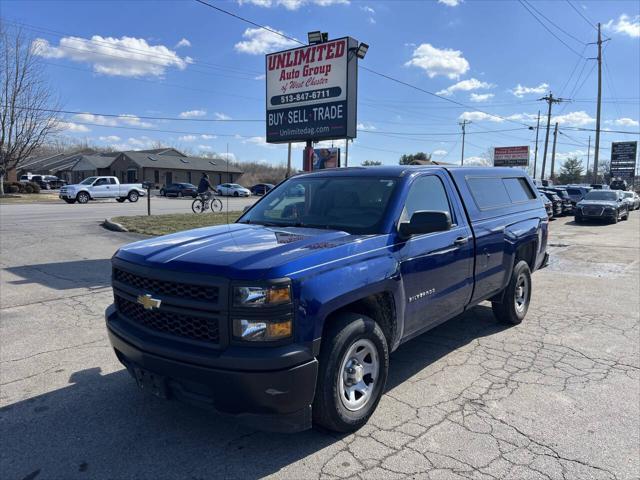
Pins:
x,y
261,330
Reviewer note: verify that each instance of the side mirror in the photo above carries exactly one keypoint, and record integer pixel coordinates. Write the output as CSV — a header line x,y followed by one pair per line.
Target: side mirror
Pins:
x,y
425,221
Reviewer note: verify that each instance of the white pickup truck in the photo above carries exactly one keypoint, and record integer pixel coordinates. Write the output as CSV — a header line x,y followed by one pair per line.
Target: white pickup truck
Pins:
x,y
93,188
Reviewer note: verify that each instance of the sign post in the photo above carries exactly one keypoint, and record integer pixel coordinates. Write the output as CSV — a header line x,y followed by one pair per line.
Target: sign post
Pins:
x,y
511,156
623,160
312,94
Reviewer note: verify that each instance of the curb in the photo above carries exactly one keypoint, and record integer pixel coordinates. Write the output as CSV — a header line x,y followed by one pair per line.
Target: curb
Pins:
x,y
114,226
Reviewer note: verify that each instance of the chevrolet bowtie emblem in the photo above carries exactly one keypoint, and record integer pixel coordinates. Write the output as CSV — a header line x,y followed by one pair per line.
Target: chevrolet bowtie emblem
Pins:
x,y
148,302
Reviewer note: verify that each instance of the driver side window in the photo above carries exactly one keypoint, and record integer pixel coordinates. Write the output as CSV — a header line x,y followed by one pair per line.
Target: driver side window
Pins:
x,y
426,193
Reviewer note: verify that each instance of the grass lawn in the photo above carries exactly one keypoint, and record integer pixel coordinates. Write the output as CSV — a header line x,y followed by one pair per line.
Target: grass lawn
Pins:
x,y
175,222
31,198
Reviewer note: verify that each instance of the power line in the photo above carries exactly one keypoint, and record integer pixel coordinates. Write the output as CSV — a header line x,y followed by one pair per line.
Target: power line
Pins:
x,y
388,77
545,27
584,17
554,24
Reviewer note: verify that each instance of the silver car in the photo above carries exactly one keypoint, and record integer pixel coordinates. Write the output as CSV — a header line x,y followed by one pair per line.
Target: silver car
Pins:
x,y
631,199
233,190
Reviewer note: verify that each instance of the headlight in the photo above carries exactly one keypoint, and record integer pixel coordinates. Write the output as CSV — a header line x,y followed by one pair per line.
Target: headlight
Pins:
x,y
260,296
261,330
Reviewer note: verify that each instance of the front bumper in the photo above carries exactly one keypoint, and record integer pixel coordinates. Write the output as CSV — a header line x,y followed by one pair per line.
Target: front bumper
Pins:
x,y
274,400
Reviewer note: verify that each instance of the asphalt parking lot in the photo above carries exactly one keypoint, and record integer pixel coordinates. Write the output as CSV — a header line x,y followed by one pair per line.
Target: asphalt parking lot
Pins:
x,y
557,397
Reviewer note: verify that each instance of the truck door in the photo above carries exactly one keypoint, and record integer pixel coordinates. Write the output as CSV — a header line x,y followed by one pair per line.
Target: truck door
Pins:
x,y
436,268
100,188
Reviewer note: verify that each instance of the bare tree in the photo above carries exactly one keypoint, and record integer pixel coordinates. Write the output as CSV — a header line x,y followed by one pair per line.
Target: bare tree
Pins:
x,y
26,101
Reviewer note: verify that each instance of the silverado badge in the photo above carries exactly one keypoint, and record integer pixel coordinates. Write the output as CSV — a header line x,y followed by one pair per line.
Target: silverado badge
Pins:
x,y
148,302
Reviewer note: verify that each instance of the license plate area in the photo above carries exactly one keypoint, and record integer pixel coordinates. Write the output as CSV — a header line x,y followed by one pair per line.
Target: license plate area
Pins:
x,y
151,382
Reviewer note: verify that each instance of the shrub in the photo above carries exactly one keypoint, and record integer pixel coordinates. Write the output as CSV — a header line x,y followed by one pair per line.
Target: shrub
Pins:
x,y
35,188
11,188
28,188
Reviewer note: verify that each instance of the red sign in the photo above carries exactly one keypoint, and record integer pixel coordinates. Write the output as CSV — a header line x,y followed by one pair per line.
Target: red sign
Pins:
x,y
511,156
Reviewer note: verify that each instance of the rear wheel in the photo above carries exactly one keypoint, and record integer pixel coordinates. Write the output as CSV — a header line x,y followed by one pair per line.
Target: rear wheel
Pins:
x,y
236,194
354,363
83,197
516,297
133,196
180,195
198,205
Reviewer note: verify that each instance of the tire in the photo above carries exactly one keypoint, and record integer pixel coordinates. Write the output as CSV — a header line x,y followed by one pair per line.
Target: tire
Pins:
x,y
133,196
236,194
83,197
180,195
347,337
515,302
578,219
626,216
162,193
120,199
70,201
197,206
216,205
614,220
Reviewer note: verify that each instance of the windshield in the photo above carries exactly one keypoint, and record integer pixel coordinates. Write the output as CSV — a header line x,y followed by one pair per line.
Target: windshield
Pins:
x,y
235,185
627,194
355,205
601,195
88,181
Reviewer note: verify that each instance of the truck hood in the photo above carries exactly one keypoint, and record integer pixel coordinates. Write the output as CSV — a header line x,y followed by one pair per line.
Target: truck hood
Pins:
x,y
242,251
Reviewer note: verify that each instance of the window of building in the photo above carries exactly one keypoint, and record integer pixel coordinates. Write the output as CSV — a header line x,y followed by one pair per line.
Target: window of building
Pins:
x,y
156,176
426,193
189,177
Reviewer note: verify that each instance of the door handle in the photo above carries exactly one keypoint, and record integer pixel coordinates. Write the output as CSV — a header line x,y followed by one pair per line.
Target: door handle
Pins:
x,y
460,240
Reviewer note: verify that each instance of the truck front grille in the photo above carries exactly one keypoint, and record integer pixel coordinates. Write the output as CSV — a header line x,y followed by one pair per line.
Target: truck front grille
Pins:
x,y
205,329
593,211
204,293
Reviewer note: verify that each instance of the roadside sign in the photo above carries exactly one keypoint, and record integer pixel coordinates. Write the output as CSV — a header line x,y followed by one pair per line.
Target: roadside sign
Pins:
x,y
326,158
312,92
511,156
623,159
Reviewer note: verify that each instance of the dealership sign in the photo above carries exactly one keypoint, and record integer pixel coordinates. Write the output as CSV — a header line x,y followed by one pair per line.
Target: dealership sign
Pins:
x,y
623,159
311,92
511,156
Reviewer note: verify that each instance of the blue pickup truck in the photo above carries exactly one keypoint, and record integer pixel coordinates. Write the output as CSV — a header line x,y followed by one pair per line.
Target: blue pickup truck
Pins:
x,y
287,317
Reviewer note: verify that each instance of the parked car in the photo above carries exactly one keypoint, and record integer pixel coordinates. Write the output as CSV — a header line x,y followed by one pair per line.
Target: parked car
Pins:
x,y
631,199
179,190
261,188
101,187
288,316
577,193
232,189
548,206
618,185
567,203
599,186
26,178
48,182
555,200
602,205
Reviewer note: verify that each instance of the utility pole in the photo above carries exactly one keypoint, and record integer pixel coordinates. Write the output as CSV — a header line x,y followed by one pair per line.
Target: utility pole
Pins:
x,y
288,161
588,153
596,155
535,156
463,124
550,100
553,153
346,152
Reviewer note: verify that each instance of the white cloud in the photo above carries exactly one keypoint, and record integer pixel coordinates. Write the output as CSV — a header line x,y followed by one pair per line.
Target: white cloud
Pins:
x,y
260,141
520,91
479,117
193,113
625,25
450,3
366,126
577,119
260,77
183,43
126,56
259,41
623,122
439,153
437,61
207,137
465,86
523,116
481,97
121,120
70,127
370,14
109,138
477,162
221,116
205,147
228,156
187,138
562,156
293,4
142,142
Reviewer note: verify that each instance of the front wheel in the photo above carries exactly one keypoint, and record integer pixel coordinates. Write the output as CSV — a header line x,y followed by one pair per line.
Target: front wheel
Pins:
x,y
83,197
354,363
626,216
133,197
517,295
216,205
180,195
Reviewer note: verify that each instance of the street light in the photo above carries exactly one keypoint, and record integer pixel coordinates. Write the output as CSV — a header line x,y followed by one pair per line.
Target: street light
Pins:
x,y
362,50
315,37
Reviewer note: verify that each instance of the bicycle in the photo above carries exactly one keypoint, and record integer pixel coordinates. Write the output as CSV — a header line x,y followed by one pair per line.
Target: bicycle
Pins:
x,y
205,202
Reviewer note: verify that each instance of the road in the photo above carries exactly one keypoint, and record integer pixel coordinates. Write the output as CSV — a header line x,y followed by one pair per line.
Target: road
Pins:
x,y
556,397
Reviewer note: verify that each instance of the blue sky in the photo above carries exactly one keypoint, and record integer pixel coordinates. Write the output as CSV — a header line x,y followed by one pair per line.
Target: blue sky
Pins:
x,y
183,59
